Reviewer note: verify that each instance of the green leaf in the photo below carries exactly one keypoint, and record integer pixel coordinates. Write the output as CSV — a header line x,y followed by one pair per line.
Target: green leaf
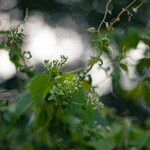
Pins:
x,y
104,144
130,39
143,66
39,86
138,137
17,109
86,84
146,40
145,36
93,61
116,37
124,66
142,89
68,76
23,103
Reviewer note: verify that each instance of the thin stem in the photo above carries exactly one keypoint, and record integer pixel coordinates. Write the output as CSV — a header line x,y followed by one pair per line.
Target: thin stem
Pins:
x,y
135,9
105,15
24,61
25,18
76,103
19,82
121,12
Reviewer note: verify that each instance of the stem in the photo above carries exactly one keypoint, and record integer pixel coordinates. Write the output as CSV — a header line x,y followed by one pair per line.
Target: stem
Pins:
x,y
121,12
105,15
25,18
137,7
19,82
76,103
23,60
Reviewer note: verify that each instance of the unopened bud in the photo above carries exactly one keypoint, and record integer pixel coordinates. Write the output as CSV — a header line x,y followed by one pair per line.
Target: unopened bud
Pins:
x,y
91,30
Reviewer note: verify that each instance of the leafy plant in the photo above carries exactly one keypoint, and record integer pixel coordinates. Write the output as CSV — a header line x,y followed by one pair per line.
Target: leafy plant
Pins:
x,y
62,110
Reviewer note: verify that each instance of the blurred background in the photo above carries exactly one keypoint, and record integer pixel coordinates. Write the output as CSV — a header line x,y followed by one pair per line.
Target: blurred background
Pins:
x,y
56,27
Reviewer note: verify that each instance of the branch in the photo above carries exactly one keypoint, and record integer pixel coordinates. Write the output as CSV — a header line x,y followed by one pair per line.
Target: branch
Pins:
x,y
121,12
105,15
135,9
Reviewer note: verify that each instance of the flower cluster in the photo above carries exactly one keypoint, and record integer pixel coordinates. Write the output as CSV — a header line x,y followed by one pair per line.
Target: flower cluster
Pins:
x,y
53,67
63,89
93,101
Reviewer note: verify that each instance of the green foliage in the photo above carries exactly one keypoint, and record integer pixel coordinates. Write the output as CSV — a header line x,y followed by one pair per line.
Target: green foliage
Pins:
x,y
62,110
130,39
143,67
38,90
13,41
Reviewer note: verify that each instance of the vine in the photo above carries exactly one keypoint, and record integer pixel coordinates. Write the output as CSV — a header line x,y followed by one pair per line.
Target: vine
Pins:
x,y
62,110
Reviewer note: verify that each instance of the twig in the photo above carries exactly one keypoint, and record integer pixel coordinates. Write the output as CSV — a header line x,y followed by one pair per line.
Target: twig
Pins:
x,y
105,15
121,12
135,9
25,18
